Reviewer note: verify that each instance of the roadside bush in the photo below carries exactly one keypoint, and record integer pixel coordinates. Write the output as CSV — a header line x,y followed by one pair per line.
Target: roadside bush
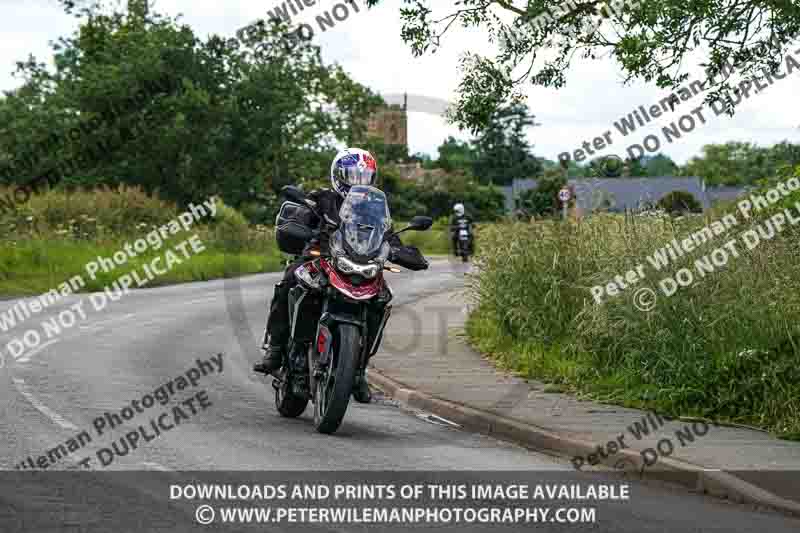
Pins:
x,y
726,347
436,196
680,202
230,228
96,213
52,236
543,199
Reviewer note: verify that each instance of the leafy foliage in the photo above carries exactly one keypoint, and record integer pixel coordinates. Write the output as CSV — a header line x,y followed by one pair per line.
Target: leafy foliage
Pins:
x,y
680,202
659,165
436,196
456,156
145,102
503,152
656,41
742,163
542,199
724,348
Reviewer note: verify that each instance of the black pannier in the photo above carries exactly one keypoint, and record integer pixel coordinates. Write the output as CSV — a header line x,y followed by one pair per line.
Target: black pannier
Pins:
x,y
293,227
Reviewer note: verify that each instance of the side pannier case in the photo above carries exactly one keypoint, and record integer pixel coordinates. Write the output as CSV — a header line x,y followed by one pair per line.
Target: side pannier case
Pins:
x,y
293,227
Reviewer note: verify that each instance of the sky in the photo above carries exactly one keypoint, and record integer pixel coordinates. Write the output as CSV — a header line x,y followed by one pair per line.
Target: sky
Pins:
x,y
369,46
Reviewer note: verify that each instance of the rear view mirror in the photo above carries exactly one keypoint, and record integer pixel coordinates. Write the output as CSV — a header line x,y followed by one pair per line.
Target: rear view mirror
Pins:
x,y
420,223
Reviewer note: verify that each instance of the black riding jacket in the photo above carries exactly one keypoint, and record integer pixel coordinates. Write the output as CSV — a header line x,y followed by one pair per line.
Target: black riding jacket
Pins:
x,y
328,204
454,223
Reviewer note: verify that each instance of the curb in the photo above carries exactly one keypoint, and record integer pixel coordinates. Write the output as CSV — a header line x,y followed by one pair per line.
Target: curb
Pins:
x,y
714,482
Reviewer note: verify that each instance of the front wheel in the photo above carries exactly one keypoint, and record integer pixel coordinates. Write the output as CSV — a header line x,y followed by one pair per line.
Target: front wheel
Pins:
x,y
336,384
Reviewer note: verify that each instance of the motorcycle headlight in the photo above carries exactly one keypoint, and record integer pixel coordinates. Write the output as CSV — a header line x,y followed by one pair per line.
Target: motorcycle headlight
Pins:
x,y
370,271
345,266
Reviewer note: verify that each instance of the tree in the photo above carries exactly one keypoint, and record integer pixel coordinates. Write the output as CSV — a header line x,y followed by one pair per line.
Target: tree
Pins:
x,y
456,156
139,99
678,202
423,159
659,165
783,155
503,152
658,42
543,199
733,163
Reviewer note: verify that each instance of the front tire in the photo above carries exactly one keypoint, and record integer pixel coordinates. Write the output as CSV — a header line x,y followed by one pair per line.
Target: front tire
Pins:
x,y
336,385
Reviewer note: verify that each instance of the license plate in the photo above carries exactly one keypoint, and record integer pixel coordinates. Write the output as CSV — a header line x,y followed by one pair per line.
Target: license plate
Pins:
x,y
464,234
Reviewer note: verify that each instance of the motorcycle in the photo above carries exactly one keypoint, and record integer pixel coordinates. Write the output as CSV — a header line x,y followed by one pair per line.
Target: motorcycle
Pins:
x,y
336,322
463,239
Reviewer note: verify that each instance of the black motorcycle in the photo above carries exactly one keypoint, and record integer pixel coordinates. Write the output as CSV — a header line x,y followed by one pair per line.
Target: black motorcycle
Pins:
x,y
340,306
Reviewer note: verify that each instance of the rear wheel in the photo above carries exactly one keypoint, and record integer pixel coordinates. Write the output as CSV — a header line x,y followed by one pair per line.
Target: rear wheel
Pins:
x,y
336,384
288,404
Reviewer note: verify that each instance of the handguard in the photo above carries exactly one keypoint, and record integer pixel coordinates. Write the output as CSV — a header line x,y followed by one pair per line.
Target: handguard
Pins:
x,y
408,257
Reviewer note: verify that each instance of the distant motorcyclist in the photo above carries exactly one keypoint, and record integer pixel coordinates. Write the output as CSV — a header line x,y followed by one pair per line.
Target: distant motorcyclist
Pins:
x,y
352,166
460,221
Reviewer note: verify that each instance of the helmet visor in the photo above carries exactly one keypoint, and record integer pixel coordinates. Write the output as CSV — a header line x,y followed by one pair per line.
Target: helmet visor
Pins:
x,y
355,170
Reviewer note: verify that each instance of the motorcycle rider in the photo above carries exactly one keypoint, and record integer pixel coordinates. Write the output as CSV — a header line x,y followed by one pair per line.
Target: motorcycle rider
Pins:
x,y
459,214
351,166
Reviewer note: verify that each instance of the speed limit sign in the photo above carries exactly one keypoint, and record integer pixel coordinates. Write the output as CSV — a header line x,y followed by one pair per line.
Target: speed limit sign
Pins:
x,y
564,195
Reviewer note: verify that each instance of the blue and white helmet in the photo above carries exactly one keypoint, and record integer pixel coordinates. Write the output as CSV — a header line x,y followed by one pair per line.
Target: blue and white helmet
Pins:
x,y
352,166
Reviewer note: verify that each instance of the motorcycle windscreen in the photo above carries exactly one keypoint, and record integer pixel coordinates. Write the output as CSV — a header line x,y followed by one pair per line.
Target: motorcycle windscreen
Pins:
x,y
365,220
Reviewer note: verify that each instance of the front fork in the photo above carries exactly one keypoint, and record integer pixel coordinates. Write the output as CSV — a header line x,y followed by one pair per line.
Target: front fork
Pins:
x,y
321,351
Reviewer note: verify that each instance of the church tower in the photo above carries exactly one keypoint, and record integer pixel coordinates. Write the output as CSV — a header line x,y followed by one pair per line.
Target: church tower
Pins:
x,y
390,124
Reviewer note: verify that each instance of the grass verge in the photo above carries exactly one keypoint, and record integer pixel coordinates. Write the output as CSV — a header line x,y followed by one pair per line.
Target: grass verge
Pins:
x,y
725,348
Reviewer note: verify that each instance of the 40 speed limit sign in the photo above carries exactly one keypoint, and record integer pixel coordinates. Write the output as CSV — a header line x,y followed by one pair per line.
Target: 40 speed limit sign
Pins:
x,y
564,195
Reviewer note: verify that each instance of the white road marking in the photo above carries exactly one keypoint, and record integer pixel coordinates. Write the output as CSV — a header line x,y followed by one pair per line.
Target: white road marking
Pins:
x,y
27,357
42,408
437,420
156,466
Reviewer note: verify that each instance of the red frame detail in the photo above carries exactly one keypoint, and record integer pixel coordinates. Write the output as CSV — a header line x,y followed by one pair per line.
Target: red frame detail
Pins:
x,y
360,292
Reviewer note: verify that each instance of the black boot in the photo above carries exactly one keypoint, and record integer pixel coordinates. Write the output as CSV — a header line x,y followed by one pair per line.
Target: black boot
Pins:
x,y
272,361
361,391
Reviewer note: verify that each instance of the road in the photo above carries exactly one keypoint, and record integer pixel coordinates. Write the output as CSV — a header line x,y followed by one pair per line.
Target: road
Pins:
x,y
150,336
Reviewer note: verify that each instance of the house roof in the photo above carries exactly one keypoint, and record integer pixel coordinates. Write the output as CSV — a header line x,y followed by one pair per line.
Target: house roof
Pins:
x,y
622,192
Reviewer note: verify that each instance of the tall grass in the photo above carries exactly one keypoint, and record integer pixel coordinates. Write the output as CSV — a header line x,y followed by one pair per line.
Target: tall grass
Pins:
x,y
54,235
726,347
